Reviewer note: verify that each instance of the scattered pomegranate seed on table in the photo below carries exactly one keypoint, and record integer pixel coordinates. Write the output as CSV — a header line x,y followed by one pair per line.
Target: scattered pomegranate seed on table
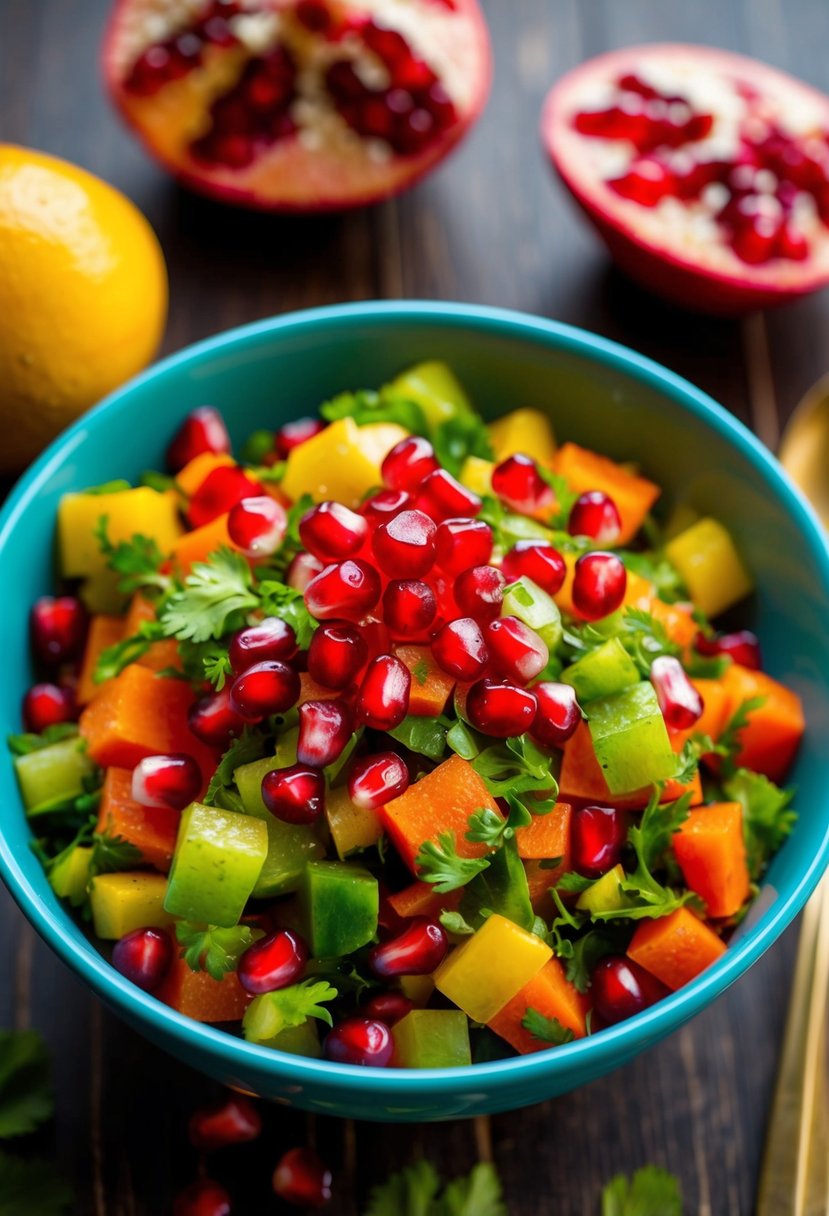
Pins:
x,y
235,1120
302,1178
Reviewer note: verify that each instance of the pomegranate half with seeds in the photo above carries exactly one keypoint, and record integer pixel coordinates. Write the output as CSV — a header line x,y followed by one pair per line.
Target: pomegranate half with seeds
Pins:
x,y
706,173
298,105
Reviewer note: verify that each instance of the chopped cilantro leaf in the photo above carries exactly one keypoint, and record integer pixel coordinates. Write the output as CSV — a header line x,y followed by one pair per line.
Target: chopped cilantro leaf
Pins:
x,y
137,560
488,827
454,923
111,853
216,663
273,1012
421,672
284,602
650,1192
462,435
367,405
25,1083
216,595
438,863
424,735
416,1191
249,746
728,744
572,883
549,1030
767,816
565,497
113,659
23,745
212,949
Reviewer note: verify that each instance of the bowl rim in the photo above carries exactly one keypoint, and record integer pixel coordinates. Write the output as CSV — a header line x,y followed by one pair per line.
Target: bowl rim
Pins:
x,y
597,1053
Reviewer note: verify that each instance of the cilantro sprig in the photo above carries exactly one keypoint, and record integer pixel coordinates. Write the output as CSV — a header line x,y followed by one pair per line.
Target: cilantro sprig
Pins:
x,y
651,1191
548,1030
439,864
138,560
272,1012
212,949
213,601
418,1191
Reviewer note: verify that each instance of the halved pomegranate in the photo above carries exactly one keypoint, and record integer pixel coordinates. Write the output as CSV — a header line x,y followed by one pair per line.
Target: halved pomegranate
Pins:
x,y
706,173
298,105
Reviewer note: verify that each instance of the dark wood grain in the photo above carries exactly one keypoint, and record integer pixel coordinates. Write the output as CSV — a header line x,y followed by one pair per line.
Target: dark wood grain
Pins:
x,y
493,226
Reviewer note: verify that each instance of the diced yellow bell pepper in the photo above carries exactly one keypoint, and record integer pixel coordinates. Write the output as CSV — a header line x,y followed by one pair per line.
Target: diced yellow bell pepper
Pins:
x,y
710,566
352,827
418,988
488,969
128,512
604,895
680,518
196,470
342,462
123,902
524,430
435,388
476,475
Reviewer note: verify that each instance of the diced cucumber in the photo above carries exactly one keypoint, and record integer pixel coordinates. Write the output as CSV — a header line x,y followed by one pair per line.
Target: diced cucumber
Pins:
x,y
52,776
432,1038
630,739
435,388
602,672
532,605
290,845
340,905
69,876
219,856
605,894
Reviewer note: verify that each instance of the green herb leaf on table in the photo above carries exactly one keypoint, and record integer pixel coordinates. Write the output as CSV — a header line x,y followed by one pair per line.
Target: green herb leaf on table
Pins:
x,y
438,863
767,816
549,1030
32,1187
416,1191
216,595
212,949
651,1191
137,560
26,1098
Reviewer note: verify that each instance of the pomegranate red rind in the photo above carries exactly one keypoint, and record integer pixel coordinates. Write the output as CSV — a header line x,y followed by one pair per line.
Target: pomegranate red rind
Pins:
x,y
724,246
243,101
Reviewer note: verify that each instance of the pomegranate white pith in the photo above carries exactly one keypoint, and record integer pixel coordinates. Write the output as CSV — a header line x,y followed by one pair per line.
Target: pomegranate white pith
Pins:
x,y
298,104
706,173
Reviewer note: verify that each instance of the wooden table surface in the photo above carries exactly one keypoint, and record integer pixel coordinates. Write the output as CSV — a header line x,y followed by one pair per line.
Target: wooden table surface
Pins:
x,y
492,227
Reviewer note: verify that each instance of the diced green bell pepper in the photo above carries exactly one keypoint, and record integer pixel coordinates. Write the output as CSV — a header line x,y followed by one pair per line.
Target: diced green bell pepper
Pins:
x,y
290,845
432,1038
302,1040
532,605
340,904
435,388
605,894
630,739
69,876
52,776
217,861
604,671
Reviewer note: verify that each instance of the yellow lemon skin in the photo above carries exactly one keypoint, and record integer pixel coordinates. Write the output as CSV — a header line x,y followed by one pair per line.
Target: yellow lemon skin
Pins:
x,y
83,297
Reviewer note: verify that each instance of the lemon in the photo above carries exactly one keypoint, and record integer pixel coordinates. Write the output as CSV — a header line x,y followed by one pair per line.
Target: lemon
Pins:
x,y
83,297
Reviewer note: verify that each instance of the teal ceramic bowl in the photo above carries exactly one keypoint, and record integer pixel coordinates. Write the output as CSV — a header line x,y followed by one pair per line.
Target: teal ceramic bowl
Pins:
x,y
598,394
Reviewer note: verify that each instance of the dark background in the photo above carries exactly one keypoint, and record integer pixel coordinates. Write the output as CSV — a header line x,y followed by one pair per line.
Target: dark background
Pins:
x,y
494,227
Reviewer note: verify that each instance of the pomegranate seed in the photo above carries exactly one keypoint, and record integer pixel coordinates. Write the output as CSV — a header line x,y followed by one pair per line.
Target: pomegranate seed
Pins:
x,y
599,583
336,653
537,560
597,837
679,701
360,1041
743,647
374,780
627,120
270,638
405,545
443,497
462,543
302,569
646,183
143,957
350,589
203,1198
221,489
203,430
479,593
295,433
172,780
331,531
498,708
518,483
275,961
621,988
57,628
388,1007
325,727
295,794
409,607
212,720
269,687
418,950
792,244
256,526
596,515
460,649
515,650
234,1121
408,463
384,505
383,700
388,44
302,1178
558,713
48,705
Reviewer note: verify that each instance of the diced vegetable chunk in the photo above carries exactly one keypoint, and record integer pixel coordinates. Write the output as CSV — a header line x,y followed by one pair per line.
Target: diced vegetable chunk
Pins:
x,y
435,388
432,1038
630,739
52,776
152,829
523,430
218,858
552,995
490,967
126,901
338,463
198,996
633,495
711,853
675,948
128,512
104,631
340,905
769,742
602,672
710,566
290,845
69,877
352,827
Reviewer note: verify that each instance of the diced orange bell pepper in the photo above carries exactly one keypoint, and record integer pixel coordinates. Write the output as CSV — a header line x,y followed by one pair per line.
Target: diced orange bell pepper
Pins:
x,y
539,882
677,620
431,686
104,631
549,993
140,714
421,899
442,801
548,835
152,829
198,996
160,655
675,948
711,853
715,708
582,779
197,546
770,740
585,470
196,470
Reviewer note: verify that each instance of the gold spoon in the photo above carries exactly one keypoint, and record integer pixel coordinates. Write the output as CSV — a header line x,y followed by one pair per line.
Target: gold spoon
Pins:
x,y
794,1180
